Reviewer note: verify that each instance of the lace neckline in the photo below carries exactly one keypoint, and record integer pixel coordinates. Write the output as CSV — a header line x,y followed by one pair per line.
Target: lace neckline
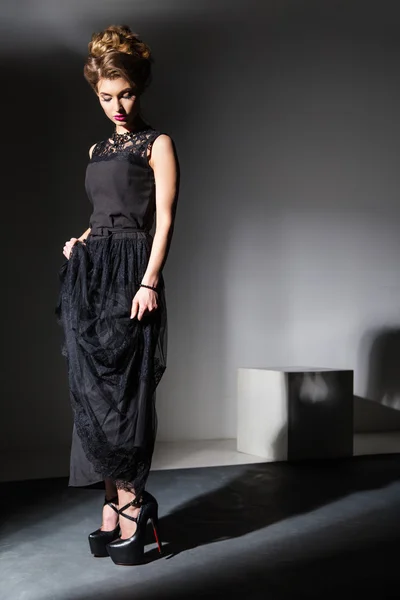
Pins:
x,y
125,136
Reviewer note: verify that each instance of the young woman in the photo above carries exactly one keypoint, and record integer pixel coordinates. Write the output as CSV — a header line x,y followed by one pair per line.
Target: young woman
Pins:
x,y
112,298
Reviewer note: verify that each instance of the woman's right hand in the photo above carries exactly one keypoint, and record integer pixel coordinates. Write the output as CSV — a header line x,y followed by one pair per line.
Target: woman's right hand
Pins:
x,y
68,247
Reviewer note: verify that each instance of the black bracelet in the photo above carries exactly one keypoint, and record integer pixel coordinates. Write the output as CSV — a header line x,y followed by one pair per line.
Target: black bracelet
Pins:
x,y
149,286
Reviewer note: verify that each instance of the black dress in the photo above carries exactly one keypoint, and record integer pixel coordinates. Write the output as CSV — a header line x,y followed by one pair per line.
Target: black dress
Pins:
x,y
114,362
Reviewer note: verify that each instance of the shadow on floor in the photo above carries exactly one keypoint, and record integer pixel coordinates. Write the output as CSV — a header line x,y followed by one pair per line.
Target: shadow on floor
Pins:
x,y
252,499
265,494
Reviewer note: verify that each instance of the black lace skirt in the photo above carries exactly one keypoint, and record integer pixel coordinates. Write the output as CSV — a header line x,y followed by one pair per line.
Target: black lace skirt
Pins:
x,y
114,362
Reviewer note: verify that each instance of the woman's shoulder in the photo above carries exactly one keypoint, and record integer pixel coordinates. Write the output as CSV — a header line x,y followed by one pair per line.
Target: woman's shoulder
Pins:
x,y
91,149
97,145
162,137
157,140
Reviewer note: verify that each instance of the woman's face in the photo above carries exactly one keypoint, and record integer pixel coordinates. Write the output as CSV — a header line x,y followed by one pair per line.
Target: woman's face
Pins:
x,y
118,99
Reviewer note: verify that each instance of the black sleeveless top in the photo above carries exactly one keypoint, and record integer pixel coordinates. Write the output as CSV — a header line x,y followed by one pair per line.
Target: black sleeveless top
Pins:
x,y
120,183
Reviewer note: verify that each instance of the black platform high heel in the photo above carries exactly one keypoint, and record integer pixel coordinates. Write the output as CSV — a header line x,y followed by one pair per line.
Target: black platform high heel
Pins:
x,y
131,550
99,539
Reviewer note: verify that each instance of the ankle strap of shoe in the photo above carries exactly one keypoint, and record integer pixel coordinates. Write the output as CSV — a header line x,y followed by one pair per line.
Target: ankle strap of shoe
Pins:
x,y
136,503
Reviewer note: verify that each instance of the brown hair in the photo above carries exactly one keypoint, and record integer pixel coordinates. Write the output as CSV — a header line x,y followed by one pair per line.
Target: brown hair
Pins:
x,y
118,52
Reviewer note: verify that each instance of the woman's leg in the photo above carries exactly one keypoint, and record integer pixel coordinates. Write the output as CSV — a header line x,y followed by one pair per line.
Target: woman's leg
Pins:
x,y
110,517
127,526
111,488
133,488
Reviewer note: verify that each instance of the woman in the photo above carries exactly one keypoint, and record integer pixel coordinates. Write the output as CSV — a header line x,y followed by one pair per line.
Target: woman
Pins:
x,y
112,298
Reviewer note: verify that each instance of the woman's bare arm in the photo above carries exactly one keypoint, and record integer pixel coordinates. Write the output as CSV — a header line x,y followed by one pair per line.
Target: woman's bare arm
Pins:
x,y
164,164
84,235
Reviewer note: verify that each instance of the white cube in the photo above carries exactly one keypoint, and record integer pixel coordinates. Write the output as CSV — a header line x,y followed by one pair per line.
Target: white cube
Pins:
x,y
295,413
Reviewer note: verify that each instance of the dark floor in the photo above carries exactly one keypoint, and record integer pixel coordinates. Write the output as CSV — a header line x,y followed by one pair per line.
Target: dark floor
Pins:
x,y
270,531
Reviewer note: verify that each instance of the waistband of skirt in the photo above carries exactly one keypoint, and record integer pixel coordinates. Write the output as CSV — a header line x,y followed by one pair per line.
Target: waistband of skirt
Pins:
x,y
116,231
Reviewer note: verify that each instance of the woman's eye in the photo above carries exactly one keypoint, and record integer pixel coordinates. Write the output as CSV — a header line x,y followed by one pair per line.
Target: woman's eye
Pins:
x,y
125,96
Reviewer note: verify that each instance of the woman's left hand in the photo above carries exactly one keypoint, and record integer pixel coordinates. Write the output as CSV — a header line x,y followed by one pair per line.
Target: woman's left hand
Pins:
x,y
143,300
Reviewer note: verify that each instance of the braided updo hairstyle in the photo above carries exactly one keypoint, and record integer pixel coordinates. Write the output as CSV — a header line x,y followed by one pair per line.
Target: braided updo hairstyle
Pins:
x,y
118,52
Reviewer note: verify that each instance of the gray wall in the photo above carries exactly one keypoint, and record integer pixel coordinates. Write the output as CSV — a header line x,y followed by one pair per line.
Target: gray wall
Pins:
x,y
286,248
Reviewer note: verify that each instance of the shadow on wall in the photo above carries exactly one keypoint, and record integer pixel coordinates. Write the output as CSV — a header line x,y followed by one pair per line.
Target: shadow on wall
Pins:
x,y
380,410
